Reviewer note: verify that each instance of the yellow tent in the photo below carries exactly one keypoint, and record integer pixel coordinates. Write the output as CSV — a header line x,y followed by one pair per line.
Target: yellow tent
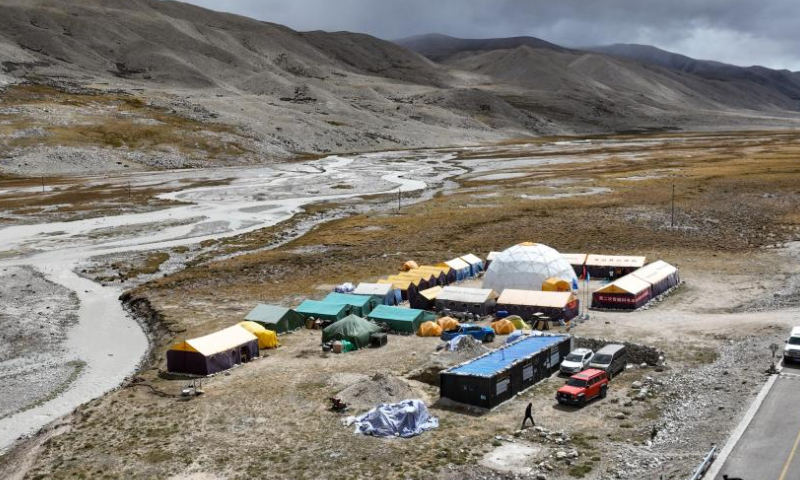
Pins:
x,y
429,329
556,285
503,327
518,322
448,323
266,338
410,265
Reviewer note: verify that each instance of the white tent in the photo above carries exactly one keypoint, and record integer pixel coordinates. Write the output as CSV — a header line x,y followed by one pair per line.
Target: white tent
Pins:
x,y
525,267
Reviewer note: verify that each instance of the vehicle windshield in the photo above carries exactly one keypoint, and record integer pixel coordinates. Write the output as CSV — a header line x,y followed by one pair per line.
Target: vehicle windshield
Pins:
x,y
576,382
574,357
794,341
602,358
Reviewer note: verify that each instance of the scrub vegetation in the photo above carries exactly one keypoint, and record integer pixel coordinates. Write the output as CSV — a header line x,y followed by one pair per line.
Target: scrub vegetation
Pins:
x,y
107,119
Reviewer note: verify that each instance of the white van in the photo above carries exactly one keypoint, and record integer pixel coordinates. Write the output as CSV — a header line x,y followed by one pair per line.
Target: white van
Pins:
x,y
791,352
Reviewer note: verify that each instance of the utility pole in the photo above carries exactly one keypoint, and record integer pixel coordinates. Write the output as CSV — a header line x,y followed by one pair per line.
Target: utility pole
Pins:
x,y
399,198
672,222
42,183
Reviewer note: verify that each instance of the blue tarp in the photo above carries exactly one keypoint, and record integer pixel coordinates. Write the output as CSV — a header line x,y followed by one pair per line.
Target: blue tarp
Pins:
x,y
404,419
502,358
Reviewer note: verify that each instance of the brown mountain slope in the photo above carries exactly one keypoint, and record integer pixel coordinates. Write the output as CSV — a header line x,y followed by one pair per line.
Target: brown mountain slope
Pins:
x,y
289,92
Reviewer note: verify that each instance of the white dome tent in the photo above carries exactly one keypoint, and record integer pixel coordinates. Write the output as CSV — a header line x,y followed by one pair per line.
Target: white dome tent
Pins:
x,y
525,267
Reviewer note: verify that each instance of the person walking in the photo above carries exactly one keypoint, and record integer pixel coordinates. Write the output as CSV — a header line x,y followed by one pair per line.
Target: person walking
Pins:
x,y
528,415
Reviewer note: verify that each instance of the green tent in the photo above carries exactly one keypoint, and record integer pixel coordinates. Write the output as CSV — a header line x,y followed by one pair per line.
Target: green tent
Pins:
x,y
322,310
400,319
360,304
277,319
352,328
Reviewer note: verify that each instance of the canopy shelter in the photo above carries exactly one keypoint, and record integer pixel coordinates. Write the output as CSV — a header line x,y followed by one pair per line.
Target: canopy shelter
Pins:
x,y
277,319
426,299
418,280
448,273
576,260
352,328
626,293
434,277
475,264
660,275
322,310
266,338
359,305
527,303
526,267
405,287
397,319
430,278
385,291
478,301
213,353
461,268
612,266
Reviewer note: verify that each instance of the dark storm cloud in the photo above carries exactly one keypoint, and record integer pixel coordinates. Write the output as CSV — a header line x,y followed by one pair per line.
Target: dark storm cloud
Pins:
x,y
743,32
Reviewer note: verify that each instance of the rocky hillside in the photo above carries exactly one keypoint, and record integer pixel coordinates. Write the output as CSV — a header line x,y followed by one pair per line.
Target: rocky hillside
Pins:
x,y
784,82
440,47
268,92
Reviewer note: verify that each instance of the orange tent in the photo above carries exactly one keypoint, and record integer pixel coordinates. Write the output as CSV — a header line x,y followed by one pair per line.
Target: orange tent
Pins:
x,y
448,323
410,265
429,329
556,285
503,327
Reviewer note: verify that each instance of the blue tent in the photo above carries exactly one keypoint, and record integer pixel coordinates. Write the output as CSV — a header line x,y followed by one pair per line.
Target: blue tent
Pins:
x,y
385,291
474,262
462,268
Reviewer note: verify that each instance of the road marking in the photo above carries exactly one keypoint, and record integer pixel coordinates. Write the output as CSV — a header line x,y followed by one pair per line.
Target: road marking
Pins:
x,y
736,435
791,456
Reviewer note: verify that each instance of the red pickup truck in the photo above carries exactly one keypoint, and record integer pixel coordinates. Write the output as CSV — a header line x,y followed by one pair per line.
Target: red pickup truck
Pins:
x,y
583,387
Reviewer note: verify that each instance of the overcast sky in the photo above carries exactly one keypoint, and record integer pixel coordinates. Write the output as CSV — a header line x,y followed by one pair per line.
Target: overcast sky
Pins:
x,y
742,32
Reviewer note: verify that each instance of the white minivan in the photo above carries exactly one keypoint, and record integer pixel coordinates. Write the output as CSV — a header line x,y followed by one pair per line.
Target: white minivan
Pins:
x,y
791,352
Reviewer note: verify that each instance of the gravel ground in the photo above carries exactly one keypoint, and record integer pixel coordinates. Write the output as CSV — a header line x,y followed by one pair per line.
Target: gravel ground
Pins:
x,y
32,334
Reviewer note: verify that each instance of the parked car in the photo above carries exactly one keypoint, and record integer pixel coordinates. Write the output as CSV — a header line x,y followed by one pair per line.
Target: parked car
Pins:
x,y
484,334
791,352
577,361
612,359
581,388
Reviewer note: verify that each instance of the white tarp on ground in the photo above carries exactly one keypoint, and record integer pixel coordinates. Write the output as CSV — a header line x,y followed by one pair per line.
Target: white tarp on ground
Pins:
x,y
405,419
525,267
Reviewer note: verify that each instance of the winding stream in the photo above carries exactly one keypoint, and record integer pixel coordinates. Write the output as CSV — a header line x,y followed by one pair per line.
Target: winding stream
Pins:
x,y
111,343
106,338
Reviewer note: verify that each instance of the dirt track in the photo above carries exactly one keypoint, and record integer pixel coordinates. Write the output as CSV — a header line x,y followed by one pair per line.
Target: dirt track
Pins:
x,y
736,214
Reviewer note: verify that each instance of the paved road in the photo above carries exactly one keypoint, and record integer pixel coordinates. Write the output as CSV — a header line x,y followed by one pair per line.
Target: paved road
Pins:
x,y
770,447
